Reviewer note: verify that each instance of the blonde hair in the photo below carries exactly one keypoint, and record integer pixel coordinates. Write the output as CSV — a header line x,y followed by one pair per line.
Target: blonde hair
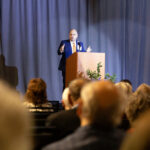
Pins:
x,y
14,121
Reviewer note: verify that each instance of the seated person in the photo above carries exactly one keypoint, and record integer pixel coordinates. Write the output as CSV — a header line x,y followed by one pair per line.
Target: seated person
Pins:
x,y
99,111
65,99
126,88
15,121
139,103
36,96
139,139
67,121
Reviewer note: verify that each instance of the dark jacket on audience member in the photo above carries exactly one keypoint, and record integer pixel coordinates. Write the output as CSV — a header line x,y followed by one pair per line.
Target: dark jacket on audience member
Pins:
x,y
89,138
65,122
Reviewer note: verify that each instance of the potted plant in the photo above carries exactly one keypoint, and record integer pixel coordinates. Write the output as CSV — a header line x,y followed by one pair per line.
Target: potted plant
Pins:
x,y
96,74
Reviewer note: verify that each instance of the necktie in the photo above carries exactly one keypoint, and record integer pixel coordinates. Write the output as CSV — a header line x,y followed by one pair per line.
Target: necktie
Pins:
x,y
74,48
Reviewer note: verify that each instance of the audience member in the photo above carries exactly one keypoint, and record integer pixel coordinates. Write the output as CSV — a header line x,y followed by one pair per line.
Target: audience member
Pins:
x,y
67,121
36,96
140,138
140,102
65,99
126,81
126,88
15,121
99,111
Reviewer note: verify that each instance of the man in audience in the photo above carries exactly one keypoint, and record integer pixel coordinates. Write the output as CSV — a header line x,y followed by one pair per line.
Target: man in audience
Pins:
x,y
67,121
100,112
15,122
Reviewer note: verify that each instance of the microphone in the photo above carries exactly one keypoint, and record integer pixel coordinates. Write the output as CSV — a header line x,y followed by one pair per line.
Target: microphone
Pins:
x,y
79,43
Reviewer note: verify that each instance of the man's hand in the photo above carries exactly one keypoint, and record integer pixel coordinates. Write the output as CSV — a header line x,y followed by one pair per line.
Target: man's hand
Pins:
x,y
62,48
89,49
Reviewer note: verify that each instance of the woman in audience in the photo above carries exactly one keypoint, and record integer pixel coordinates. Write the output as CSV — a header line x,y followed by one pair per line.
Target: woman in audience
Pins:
x,y
139,103
36,96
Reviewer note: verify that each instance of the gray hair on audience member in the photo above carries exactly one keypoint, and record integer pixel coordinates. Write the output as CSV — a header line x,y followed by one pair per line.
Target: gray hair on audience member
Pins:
x,y
101,103
65,98
14,121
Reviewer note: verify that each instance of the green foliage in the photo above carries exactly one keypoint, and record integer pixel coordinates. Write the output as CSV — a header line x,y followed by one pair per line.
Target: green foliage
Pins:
x,y
109,77
96,75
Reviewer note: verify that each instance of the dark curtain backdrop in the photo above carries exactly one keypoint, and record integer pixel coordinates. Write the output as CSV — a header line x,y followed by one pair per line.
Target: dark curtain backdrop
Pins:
x,y
31,31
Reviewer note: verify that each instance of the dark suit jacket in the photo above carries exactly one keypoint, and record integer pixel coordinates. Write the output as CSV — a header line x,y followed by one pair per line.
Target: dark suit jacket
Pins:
x,y
89,138
65,123
68,52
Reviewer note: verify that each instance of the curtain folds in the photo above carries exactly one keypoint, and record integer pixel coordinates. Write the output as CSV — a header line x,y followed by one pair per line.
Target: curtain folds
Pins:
x,y
31,31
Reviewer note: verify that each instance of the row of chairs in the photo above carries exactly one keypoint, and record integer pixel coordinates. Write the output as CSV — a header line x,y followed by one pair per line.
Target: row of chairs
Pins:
x,y
42,135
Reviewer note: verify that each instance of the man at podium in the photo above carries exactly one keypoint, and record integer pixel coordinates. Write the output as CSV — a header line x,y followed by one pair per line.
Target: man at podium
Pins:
x,y
67,48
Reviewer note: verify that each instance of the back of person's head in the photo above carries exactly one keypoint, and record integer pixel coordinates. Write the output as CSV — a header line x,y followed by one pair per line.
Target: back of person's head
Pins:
x,y
140,102
100,104
126,81
14,121
143,90
125,87
65,99
36,91
139,139
75,87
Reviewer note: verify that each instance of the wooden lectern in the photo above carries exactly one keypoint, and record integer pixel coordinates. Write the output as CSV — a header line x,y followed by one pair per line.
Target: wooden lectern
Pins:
x,y
78,63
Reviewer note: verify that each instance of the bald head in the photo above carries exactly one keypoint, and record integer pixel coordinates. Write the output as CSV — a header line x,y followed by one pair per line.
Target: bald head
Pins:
x,y
100,103
73,35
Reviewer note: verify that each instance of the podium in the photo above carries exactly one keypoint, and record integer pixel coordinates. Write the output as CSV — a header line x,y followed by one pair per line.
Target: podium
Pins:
x,y
78,63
